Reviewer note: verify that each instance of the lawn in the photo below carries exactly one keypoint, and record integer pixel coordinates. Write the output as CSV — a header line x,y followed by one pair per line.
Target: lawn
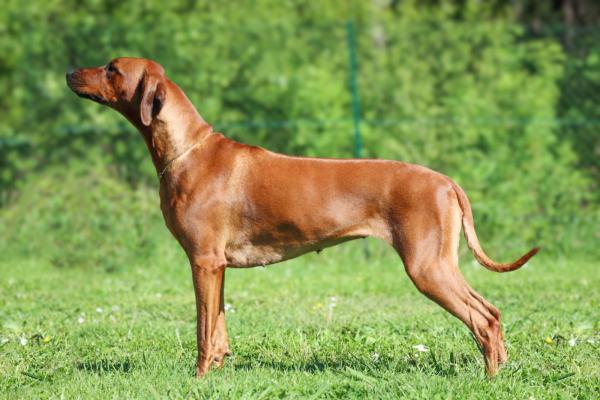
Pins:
x,y
334,325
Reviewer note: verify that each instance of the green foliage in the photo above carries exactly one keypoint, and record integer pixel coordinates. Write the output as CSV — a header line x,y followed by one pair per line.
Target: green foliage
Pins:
x,y
578,107
73,218
484,113
456,86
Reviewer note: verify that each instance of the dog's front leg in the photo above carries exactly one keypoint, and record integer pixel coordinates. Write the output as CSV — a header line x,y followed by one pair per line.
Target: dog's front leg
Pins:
x,y
207,273
220,339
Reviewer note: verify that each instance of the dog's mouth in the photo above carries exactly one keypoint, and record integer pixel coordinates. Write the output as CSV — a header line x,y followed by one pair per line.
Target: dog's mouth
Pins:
x,y
90,96
75,85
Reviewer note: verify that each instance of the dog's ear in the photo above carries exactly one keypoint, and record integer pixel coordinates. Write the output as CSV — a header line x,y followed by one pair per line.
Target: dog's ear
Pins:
x,y
153,97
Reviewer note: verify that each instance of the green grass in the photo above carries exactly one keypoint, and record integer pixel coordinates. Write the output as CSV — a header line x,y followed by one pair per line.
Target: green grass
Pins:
x,y
131,333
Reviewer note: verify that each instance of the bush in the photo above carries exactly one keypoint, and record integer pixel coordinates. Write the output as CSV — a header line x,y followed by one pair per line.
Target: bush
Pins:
x,y
460,87
484,112
82,218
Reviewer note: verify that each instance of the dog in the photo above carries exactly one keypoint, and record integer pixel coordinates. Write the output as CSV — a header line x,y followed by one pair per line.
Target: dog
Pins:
x,y
233,205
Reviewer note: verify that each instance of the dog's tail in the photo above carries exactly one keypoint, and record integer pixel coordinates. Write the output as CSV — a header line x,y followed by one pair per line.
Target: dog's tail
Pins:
x,y
473,241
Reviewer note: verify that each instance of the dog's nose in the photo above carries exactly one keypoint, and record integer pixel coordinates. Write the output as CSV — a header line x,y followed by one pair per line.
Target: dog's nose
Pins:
x,y
70,76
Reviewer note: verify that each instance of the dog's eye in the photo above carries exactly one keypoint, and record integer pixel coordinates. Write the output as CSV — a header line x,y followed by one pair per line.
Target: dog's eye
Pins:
x,y
110,68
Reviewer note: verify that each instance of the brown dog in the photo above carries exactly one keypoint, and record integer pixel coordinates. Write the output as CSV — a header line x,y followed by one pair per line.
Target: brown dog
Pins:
x,y
233,205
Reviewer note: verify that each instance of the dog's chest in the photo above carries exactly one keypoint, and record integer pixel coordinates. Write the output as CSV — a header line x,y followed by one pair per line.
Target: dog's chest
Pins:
x,y
261,241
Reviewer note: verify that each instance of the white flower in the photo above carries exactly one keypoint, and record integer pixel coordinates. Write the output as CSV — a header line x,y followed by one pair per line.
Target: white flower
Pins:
x,y
4,340
375,357
81,320
23,340
330,306
572,342
229,307
99,310
332,301
114,308
421,348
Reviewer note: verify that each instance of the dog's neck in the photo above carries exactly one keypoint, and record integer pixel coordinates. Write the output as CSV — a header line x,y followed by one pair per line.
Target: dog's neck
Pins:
x,y
175,129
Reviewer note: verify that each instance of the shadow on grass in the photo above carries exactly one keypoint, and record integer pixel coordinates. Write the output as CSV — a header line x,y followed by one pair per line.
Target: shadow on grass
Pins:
x,y
105,366
427,364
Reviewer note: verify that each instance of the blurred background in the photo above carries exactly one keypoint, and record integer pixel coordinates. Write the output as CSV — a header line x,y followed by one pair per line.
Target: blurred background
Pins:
x,y
502,96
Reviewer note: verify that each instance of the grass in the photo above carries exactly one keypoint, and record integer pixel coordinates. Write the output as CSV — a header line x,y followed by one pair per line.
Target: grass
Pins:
x,y
334,325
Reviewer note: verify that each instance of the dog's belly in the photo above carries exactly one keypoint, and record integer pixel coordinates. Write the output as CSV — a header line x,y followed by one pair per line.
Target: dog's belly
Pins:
x,y
245,255
266,248
249,255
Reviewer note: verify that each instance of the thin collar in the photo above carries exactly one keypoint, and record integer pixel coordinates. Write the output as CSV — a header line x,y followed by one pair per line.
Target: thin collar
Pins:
x,y
182,154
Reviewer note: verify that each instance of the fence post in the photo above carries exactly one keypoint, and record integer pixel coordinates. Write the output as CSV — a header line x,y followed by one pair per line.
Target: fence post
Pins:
x,y
354,88
352,59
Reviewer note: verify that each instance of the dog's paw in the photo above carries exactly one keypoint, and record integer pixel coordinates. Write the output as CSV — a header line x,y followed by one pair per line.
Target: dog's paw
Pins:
x,y
219,358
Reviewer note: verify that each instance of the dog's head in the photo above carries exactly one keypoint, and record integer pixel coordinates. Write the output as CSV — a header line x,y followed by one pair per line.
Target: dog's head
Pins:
x,y
135,87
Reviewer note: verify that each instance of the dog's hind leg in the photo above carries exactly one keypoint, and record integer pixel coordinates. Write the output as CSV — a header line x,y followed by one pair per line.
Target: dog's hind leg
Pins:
x,y
427,241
